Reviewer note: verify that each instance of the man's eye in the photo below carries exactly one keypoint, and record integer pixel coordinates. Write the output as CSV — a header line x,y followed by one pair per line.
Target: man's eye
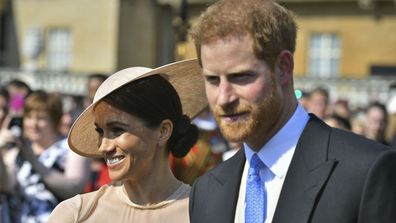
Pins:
x,y
212,79
242,78
239,77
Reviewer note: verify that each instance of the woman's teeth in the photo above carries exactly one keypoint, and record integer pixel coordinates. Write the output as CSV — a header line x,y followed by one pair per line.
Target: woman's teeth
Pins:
x,y
114,160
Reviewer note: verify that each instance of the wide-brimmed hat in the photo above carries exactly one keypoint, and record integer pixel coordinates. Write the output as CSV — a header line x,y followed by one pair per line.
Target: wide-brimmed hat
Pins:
x,y
185,76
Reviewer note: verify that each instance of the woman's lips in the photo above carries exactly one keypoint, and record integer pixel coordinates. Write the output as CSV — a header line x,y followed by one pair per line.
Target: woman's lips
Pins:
x,y
114,161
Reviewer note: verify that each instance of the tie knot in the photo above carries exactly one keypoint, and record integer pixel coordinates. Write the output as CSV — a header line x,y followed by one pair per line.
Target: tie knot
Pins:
x,y
256,162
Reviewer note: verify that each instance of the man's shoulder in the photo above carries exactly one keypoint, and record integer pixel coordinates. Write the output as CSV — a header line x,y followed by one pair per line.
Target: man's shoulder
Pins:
x,y
223,169
355,150
355,143
342,141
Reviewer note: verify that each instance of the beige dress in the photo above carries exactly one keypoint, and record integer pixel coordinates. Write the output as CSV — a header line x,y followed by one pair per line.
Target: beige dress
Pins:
x,y
111,204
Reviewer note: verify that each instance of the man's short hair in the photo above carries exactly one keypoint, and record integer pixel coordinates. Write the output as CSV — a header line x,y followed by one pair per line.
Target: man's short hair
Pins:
x,y
271,26
99,76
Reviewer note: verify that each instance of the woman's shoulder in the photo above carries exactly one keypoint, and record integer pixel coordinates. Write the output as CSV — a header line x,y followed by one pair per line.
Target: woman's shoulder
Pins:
x,y
80,206
67,211
179,198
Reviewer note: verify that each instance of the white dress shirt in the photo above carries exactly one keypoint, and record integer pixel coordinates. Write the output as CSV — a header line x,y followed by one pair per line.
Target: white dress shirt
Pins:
x,y
276,154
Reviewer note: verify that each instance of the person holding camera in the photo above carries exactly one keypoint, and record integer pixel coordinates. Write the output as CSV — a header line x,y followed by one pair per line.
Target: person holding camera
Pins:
x,y
43,171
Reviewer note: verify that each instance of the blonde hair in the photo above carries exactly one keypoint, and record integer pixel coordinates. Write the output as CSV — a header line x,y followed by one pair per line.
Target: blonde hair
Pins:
x,y
43,101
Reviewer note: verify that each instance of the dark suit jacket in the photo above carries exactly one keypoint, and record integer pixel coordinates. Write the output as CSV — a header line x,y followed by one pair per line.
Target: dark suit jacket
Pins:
x,y
334,177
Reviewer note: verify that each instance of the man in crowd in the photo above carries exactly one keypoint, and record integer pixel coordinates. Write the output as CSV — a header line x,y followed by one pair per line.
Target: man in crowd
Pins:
x,y
293,167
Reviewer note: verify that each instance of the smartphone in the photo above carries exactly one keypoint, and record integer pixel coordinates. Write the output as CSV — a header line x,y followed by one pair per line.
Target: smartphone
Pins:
x,y
16,126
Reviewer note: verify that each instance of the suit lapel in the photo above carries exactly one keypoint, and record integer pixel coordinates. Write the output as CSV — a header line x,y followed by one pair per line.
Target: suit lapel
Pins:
x,y
225,189
307,174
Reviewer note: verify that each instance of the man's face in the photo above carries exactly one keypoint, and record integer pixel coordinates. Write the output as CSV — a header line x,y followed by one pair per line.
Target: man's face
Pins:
x,y
242,91
93,86
318,105
375,123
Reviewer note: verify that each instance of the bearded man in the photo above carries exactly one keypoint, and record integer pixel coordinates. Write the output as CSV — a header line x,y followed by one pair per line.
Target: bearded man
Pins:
x,y
293,167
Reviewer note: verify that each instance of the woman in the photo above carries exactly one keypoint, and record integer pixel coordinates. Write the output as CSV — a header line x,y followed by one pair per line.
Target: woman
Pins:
x,y
43,170
134,122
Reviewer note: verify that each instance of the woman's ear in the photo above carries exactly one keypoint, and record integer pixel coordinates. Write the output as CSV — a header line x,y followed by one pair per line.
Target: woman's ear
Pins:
x,y
165,132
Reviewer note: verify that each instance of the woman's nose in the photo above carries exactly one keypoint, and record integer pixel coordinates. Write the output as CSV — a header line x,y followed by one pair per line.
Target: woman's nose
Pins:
x,y
106,145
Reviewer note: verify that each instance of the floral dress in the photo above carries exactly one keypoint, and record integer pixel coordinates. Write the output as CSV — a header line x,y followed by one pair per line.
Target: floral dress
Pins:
x,y
37,201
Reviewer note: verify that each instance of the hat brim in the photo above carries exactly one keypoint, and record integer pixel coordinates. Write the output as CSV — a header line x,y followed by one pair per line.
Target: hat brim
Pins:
x,y
185,76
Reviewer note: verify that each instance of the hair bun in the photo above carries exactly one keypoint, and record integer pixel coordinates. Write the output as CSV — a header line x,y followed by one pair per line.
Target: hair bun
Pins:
x,y
186,135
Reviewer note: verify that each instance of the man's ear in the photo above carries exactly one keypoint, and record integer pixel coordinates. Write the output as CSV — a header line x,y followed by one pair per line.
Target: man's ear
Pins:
x,y
165,132
284,67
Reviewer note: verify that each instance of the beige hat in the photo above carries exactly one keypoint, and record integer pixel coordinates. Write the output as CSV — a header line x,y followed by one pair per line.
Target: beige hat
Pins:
x,y
185,76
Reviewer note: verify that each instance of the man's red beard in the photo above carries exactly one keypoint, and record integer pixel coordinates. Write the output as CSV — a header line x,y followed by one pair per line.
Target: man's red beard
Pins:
x,y
254,118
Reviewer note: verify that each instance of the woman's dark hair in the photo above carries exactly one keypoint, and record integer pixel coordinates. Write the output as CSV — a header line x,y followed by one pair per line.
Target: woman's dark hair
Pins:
x,y
4,93
379,105
153,99
19,84
344,122
5,109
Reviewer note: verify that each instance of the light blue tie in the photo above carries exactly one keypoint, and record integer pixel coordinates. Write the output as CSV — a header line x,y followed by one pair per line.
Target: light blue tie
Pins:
x,y
255,209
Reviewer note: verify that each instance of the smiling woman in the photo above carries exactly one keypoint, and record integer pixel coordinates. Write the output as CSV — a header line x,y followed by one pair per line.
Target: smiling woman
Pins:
x,y
137,118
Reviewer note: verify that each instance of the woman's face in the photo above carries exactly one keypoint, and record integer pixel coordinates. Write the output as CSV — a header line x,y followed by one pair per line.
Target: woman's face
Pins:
x,y
37,125
128,146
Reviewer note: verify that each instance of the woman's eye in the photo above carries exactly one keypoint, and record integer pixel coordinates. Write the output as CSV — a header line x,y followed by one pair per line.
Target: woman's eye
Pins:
x,y
117,131
99,131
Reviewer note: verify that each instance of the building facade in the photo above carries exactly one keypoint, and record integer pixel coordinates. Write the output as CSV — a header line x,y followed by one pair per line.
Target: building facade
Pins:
x,y
338,40
92,35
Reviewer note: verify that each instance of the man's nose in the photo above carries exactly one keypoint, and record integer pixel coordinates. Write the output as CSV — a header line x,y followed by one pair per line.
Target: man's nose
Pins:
x,y
226,93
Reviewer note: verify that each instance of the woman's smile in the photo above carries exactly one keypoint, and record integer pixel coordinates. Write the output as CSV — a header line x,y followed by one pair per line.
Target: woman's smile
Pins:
x,y
111,161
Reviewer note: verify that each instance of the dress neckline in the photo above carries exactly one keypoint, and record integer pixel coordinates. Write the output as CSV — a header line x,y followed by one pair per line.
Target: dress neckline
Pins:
x,y
181,190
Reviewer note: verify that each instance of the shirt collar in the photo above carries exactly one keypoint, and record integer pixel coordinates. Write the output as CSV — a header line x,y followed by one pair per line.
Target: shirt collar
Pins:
x,y
274,152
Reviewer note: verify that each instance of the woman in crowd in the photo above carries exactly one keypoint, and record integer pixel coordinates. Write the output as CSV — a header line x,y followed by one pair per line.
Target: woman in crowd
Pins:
x,y
43,170
376,122
134,122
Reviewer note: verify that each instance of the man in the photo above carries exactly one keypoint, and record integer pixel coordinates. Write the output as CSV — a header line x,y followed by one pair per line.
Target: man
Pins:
x,y
93,83
302,170
318,101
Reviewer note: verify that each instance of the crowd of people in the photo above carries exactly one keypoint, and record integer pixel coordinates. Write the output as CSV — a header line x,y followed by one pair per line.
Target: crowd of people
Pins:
x,y
40,164
37,168
203,140
373,121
